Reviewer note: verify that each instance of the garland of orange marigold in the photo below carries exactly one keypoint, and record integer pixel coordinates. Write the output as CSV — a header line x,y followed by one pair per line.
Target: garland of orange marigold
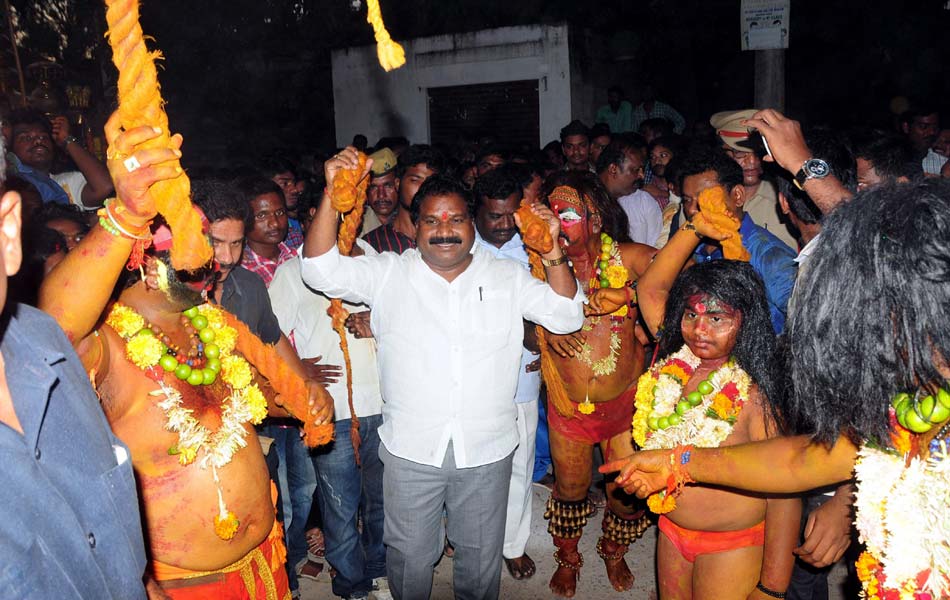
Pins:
x,y
140,103
348,196
537,238
290,386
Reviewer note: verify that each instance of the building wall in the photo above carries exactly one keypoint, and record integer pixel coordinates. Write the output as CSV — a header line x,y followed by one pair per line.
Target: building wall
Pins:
x,y
370,101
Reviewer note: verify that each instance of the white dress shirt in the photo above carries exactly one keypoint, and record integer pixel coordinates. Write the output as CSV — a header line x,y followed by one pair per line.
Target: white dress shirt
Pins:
x,y
448,353
529,384
645,216
302,315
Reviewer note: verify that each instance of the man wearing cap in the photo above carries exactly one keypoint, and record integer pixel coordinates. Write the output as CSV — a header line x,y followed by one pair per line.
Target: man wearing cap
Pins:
x,y
762,204
416,164
382,195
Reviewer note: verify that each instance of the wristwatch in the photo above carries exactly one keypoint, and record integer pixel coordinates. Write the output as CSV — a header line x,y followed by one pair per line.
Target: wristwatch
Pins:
x,y
69,140
554,262
813,168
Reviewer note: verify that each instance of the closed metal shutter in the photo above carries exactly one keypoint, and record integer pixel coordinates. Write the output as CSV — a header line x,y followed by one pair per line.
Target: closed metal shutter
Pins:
x,y
507,111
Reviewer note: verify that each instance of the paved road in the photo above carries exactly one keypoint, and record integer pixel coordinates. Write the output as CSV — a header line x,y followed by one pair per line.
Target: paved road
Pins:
x,y
593,583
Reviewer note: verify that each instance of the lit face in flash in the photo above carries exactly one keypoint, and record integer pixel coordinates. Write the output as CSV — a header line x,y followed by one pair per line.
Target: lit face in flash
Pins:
x,y
710,327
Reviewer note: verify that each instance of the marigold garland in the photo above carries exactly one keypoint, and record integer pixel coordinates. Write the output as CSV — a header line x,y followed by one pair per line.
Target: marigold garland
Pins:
x,y
665,418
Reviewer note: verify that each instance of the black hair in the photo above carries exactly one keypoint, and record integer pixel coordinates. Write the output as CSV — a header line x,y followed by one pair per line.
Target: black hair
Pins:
x,y
615,153
492,150
868,317
891,155
575,127
440,185
658,124
615,89
496,184
393,142
600,129
249,188
271,166
922,109
828,145
419,154
613,219
702,157
221,200
737,284
52,211
30,116
674,143
523,173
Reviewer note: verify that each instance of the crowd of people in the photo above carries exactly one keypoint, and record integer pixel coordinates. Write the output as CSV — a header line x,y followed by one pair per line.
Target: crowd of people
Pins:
x,y
730,318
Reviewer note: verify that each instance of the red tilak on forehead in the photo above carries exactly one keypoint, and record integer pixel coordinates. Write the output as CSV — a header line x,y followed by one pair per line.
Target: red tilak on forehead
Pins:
x,y
445,216
704,303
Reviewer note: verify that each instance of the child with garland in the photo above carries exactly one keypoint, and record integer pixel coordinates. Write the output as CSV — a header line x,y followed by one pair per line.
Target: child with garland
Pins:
x,y
713,385
868,359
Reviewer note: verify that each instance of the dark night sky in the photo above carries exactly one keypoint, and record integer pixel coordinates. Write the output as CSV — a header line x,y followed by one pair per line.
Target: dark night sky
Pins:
x,y
246,76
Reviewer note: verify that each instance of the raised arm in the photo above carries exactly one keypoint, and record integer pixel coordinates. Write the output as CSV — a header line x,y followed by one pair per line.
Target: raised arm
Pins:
x,y
98,182
653,287
323,230
788,148
76,292
558,273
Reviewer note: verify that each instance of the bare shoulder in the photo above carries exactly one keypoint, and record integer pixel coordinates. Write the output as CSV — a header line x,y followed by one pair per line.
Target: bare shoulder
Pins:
x,y
756,418
637,257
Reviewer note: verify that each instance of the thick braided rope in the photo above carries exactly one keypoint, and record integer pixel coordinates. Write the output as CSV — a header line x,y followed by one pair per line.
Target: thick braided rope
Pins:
x,y
348,196
557,394
390,54
291,387
140,103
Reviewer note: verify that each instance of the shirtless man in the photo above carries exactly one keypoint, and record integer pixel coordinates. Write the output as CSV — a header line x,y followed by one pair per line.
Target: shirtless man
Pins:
x,y
192,555
597,368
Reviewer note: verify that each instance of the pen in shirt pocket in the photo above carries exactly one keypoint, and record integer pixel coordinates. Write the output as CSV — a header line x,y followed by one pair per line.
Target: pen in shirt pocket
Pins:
x,y
479,293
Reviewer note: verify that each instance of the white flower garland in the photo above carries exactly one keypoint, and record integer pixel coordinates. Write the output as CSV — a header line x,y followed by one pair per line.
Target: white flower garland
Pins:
x,y
903,516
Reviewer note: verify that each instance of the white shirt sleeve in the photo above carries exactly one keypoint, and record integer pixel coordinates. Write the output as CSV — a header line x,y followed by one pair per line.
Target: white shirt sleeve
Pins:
x,y
542,305
284,297
355,280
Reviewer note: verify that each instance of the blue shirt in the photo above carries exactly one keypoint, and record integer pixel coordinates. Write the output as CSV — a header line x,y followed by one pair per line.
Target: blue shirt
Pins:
x,y
49,190
70,525
529,384
772,259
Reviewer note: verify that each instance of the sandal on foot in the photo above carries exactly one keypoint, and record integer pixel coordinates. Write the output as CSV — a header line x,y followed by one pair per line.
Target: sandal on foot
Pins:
x,y
520,568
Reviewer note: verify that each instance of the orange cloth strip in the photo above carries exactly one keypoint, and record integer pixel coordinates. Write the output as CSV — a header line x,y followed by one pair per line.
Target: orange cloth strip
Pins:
x,y
692,543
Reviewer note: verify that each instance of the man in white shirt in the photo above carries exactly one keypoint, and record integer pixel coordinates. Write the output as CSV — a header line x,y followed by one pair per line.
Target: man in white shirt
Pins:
x,y
448,324
344,486
497,196
620,169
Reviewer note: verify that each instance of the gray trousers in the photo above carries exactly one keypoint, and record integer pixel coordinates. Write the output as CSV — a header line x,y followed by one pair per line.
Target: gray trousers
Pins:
x,y
474,501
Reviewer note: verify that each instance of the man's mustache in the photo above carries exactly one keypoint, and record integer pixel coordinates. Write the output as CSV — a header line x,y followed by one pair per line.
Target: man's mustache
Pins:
x,y
510,232
445,240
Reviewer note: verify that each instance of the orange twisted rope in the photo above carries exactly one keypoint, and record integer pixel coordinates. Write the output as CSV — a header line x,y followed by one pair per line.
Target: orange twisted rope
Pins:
x,y
140,103
348,196
557,394
292,388
390,54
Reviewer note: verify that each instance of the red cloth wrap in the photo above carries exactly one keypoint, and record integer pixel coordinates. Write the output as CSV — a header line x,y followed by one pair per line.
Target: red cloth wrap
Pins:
x,y
607,420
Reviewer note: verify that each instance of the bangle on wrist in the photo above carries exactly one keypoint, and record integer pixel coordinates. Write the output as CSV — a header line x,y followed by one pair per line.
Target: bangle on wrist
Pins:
x,y
555,262
688,226
69,140
769,592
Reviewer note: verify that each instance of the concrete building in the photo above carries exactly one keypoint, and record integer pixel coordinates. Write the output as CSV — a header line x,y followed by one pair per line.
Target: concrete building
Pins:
x,y
520,83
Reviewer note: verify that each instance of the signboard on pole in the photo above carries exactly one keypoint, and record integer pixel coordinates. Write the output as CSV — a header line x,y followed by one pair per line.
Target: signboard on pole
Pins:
x,y
764,24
